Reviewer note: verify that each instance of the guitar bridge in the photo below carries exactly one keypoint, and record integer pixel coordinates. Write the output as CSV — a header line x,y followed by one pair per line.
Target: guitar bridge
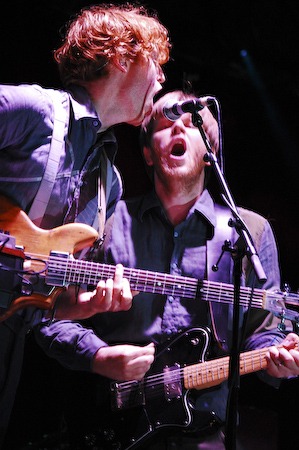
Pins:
x,y
127,395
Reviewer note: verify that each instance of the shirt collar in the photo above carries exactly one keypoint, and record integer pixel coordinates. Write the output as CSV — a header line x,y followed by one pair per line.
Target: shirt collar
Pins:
x,y
108,140
83,107
203,206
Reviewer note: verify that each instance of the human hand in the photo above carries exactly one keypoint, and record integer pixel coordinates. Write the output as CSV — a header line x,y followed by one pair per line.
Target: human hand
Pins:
x,y
283,360
124,362
111,295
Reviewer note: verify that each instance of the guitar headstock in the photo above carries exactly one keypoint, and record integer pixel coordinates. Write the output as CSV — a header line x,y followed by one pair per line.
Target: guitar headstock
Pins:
x,y
283,304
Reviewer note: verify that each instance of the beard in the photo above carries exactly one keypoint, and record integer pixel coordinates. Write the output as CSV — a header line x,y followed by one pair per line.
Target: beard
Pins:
x,y
180,178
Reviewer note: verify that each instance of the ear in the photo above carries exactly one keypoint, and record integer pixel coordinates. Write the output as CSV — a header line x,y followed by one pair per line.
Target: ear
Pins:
x,y
208,163
121,64
147,154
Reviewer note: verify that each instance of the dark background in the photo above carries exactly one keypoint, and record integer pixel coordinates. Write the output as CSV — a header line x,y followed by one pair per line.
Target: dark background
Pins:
x,y
243,52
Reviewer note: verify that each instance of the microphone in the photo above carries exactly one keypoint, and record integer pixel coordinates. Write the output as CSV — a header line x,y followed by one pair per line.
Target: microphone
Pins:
x,y
172,111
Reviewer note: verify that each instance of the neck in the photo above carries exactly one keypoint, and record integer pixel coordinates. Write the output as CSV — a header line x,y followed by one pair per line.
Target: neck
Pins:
x,y
105,98
178,202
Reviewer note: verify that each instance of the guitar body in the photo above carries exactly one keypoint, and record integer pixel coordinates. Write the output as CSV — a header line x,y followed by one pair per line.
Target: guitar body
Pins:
x,y
69,238
37,242
143,411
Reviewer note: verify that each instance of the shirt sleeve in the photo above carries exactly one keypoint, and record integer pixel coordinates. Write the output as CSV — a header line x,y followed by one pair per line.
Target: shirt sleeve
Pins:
x,y
265,333
268,254
69,343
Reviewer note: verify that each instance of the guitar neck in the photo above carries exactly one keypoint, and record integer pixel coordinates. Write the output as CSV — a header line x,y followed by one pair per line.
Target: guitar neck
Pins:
x,y
64,271
214,372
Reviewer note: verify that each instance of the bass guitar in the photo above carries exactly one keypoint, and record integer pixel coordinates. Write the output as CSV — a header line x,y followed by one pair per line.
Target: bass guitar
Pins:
x,y
51,257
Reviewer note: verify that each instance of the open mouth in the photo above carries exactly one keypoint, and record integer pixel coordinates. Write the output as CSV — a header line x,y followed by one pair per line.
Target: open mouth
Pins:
x,y
178,149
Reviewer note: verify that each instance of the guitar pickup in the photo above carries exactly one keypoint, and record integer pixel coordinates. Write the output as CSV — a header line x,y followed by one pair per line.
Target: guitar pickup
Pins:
x,y
172,382
57,269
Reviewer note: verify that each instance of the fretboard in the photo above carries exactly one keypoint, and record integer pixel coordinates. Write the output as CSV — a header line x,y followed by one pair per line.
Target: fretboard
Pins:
x,y
62,272
214,372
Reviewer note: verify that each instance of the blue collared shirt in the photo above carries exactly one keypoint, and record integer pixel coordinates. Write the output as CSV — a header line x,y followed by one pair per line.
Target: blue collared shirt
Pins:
x,y
26,126
142,237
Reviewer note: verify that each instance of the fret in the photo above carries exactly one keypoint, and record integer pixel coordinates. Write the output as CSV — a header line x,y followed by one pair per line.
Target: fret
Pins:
x,y
145,282
155,281
134,281
163,290
89,279
262,361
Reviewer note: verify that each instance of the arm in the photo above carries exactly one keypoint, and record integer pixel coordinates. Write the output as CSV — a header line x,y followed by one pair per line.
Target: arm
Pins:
x,y
79,348
283,356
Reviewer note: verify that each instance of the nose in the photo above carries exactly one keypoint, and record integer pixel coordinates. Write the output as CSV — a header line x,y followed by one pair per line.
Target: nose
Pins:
x,y
178,126
160,75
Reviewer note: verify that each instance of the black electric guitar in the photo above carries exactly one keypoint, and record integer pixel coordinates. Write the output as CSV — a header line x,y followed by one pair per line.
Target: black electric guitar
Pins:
x,y
50,253
163,401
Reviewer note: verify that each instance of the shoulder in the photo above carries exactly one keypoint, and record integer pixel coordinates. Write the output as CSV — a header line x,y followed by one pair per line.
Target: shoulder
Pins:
x,y
129,207
251,216
255,222
28,97
22,94
260,230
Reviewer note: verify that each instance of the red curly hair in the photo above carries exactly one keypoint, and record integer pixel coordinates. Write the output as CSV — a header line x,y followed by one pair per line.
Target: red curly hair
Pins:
x,y
105,33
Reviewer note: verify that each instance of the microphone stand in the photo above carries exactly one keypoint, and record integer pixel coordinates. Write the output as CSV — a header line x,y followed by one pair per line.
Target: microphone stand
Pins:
x,y
243,246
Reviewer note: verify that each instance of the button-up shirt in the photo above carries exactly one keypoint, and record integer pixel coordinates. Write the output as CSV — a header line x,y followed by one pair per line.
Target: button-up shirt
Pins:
x,y
26,127
142,237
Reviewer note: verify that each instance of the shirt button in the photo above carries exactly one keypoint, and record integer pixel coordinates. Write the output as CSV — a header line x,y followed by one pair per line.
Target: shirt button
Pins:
x,y
95,123
175,234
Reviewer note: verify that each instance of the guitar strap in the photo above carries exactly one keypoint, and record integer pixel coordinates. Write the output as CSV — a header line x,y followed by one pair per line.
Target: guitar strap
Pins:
x,y
104,184
220,312
104,188
41,200
61,117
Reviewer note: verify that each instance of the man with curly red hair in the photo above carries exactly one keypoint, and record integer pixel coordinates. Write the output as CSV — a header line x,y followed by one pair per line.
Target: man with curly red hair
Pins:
x,y
55,142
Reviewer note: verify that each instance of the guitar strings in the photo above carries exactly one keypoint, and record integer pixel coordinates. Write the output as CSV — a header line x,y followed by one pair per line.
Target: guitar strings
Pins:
x,y
198,375
72,270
